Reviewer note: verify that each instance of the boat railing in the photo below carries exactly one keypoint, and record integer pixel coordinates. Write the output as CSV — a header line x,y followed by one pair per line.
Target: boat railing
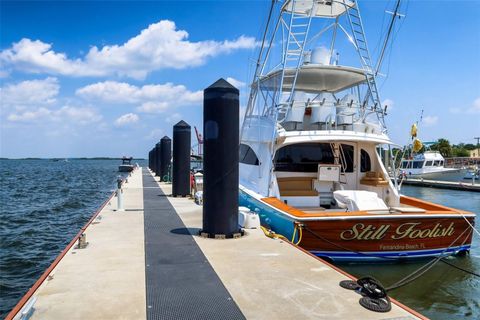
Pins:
x,y
324,115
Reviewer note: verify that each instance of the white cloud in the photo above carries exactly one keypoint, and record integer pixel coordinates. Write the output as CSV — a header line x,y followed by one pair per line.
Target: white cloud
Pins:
x,y
126,119
153,98
30,93
157,47
236,83
455,110
173,118
475,108
75,115
155,134
388,102
430,120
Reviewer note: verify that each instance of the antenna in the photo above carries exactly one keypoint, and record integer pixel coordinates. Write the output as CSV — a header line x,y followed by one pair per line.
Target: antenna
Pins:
x,y
387,37
478,141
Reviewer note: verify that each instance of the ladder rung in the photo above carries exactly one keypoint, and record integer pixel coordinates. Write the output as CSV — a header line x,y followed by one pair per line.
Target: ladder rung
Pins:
x,y
351,14
357,24
298,33
359,32
359,40
367,58
299,25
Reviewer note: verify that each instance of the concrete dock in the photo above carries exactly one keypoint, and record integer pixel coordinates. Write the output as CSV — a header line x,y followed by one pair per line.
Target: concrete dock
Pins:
x,y
451,185
147,262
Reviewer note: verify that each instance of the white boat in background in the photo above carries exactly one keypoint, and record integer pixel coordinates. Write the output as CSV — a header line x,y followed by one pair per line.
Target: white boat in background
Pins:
x,y
430,166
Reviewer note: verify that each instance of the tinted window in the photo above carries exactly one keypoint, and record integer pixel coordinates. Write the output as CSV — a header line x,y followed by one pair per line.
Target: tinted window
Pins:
x,y
436,163
428,163
365,163
348,153
417,164
303,157
247,155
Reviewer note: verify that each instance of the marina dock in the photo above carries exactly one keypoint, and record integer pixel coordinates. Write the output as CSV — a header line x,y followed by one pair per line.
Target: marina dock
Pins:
x,y
148,262
451,185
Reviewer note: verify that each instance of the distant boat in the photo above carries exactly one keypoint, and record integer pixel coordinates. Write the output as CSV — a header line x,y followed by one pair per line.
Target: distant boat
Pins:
x,y
126,165
472,174
429,165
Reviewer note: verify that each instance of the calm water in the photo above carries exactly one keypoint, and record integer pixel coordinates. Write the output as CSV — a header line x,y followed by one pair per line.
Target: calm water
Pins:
x,y
443,292
44,203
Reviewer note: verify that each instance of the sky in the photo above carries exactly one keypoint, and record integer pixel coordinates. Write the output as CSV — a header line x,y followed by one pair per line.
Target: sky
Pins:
x,y
91,78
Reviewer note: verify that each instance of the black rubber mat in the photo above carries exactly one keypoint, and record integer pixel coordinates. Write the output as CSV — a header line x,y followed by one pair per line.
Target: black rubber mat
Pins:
x,y
181,283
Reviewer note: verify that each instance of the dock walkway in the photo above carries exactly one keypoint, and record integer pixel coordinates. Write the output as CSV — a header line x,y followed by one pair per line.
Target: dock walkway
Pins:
x,y
147,262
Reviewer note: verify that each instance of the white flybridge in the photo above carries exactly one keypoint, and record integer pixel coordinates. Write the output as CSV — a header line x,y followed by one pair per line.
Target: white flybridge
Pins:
x,y
309,141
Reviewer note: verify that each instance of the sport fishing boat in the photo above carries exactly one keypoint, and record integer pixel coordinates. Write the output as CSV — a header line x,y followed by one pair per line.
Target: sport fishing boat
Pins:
x,y
313,140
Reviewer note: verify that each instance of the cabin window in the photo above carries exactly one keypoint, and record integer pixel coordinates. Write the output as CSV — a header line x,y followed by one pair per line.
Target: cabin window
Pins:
x,y
303,157
441,163
406,164
348,153
428,163
417,164
365,163
436,163
247,155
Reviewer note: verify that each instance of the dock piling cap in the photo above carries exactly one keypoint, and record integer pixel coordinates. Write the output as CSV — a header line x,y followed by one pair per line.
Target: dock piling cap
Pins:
x,y
181,124
221,85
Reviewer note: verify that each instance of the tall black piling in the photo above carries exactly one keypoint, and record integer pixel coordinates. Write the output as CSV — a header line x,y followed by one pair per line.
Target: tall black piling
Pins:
x,y
181,159
154,168
158,157
166,156
220,162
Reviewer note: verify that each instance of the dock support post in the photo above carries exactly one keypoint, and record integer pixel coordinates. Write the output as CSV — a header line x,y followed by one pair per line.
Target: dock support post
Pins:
x,y
220,164
181,159
150,159
119,195
158,156
166,156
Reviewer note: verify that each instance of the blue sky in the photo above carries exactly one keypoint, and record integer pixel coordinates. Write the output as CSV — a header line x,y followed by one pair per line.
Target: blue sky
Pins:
x,y
111,78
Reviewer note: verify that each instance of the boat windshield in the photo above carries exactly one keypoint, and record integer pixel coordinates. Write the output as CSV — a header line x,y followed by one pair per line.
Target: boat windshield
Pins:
x,y
303,157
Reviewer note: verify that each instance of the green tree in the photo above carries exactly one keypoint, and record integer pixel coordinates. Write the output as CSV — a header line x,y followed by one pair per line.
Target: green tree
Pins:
x,y
443,146
460,152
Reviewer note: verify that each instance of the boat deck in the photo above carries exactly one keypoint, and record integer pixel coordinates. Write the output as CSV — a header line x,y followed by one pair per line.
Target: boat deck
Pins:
x,y
147,262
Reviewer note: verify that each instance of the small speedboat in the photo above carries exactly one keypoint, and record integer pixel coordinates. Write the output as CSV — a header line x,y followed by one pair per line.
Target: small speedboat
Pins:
x,y
126,165
472,174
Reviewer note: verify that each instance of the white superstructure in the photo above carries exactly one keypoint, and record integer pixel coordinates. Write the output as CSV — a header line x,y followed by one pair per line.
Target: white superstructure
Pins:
x,y
306,108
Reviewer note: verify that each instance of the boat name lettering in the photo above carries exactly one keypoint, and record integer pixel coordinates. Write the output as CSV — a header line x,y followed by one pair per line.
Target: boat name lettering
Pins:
x,y
409,230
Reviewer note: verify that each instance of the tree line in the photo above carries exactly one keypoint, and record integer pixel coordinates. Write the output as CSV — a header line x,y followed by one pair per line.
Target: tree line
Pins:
x,y
448,150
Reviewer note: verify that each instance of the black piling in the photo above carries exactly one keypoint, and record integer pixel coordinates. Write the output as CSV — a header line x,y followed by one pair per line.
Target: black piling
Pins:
x,y
181,159
220,162
166,156
154,168
158,157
